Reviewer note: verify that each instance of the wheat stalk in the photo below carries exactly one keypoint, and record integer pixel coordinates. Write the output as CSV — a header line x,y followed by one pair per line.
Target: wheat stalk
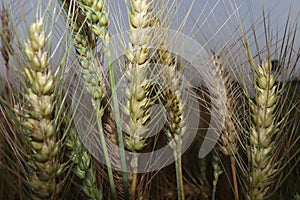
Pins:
x,y
97,20
97,17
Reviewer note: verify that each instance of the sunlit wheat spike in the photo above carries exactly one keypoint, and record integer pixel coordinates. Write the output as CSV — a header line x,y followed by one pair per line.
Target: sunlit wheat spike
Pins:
x,y
263,128
137,103
97,17
40,134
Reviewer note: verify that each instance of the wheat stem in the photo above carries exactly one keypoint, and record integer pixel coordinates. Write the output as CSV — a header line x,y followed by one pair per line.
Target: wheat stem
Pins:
x,y
179,179
235,183
119,131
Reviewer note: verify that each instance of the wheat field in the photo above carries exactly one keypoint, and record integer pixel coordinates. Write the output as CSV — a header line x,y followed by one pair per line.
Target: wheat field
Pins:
x,y
141,99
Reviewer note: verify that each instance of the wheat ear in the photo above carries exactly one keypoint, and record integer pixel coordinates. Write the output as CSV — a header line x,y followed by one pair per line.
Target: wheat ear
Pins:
x,y
5,36
95,85
138,104
6,48
229,137
263,128
175,108
97,17
84,167
40,133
